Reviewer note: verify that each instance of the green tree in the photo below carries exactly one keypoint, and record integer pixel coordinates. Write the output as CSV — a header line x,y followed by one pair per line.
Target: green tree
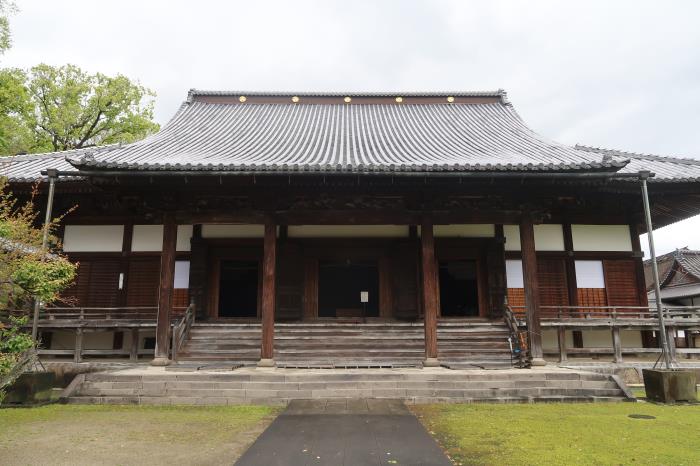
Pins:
x,y
27,271
6,9
71,109
15,134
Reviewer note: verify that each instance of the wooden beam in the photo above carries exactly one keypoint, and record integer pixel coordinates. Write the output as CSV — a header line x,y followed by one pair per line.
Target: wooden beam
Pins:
x,y
165,293
531,283
430,303
268,295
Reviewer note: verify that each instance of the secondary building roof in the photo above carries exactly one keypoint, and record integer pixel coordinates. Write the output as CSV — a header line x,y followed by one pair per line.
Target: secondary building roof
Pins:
x,y
679,274
274,132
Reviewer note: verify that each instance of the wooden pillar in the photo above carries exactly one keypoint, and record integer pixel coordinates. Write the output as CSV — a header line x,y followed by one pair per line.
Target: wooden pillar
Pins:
x,y
671,338
386,299
165,293
617,344
268,296
647,335
561,338
531,284
430,291
134,351
310,311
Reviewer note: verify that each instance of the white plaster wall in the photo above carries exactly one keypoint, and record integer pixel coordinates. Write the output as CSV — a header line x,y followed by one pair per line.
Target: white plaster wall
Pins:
x,y
62,340
184,235
631,338
93,238
91,340
548,237
147,238
589,274
233,231
601,237
142,336
549,340
347,231
512,235
597,338
474,230
182,274
514,273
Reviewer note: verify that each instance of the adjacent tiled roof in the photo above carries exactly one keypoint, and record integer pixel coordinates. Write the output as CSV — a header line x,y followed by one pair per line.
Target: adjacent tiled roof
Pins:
x,y
682,260
675,169
27,168
479,131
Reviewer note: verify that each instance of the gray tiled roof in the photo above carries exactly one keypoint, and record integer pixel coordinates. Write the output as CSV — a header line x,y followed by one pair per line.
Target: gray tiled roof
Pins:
x,y
346,138
485,135
674,169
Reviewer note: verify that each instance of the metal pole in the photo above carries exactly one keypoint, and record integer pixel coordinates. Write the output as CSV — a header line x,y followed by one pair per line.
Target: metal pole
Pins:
x,y
655,272
52,174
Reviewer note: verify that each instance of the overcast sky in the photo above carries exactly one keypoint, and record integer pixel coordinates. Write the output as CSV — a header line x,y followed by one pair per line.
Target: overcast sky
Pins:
x,y
622,74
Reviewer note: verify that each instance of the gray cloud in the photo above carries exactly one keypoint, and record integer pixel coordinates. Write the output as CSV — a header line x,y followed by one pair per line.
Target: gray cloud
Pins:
x,y
622,74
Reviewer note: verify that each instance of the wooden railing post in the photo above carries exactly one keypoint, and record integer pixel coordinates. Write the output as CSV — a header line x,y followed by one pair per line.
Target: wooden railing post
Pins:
x,y
617,345
561,337
78,355
134,351
671,339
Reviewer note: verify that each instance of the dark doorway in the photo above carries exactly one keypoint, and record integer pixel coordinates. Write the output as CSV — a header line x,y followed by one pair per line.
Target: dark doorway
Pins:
x,y
340,287
459,292
238,289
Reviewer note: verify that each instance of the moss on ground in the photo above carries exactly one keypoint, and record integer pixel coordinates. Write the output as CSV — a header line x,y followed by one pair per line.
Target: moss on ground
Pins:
x,y
72,434
565,434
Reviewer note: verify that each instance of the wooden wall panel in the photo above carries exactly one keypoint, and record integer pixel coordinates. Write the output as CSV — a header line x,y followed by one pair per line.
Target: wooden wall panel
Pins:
x,y
97,283
621,282
143,283
553,286
404,264
592,297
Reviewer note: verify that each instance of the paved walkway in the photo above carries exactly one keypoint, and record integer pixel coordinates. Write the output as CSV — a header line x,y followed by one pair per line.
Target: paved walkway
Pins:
x,y
345,432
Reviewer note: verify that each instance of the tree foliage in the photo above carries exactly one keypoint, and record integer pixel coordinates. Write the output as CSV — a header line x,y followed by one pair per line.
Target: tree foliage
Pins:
x,y
6,9
27,271
52,108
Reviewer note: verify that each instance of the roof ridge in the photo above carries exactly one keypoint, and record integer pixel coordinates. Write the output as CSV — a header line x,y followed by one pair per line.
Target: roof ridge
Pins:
x,y
490,93
621,153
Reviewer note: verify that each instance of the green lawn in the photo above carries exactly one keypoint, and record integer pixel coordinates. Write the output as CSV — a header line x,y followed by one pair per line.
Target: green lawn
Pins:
x,y
124,435
565,434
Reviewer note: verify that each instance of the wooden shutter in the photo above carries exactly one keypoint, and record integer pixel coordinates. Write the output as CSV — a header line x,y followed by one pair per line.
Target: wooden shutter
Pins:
x,y
143,281
77,293
96,284
552,280
104,283
621,282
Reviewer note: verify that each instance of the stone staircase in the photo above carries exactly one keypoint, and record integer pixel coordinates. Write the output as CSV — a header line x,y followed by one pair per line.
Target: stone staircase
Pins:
x,y
279,386
462,343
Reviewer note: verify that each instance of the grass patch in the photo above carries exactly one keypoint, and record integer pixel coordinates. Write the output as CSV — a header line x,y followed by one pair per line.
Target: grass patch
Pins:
x,y
93,434
565,434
